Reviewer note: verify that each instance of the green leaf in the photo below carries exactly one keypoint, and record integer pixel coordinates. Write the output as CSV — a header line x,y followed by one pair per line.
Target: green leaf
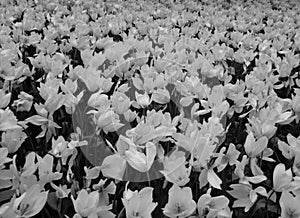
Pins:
x,y
6,195
261,204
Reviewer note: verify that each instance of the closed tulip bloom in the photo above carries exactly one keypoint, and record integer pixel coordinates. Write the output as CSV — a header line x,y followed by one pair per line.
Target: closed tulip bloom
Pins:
x,y
281,178
109,121
296,102
254,147
142,99
130,115
99,101
120,102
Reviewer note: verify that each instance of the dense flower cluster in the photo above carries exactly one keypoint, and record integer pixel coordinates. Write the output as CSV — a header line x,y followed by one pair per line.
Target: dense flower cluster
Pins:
x,y
149,108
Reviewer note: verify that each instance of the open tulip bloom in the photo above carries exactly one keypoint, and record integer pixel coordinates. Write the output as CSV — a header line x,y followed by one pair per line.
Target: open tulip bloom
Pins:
x,y
213,206
138,204
180,203
289,205
87,204
28,204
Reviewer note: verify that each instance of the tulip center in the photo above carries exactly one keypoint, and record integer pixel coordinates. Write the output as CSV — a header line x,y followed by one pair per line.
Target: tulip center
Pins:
x,y
23,207
291,213
136,214
206,210
178,208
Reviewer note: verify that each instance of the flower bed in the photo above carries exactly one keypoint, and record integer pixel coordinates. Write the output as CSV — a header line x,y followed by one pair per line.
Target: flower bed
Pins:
x,y
149,109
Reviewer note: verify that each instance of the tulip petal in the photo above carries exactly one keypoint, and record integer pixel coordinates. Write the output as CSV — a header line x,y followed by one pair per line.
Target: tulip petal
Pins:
x,y
113,166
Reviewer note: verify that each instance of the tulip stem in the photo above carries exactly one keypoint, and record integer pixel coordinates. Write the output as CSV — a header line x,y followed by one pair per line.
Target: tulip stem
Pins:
x,y
59,207
119,215
148,178
144,114
266,207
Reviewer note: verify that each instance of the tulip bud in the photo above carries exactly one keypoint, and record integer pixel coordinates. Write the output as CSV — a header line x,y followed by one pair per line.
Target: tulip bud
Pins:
x,y
130,115
120,102
143,100
109,121
296,103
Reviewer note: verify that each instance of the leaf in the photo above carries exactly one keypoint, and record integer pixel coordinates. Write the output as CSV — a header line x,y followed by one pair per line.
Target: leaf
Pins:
x,y
137,82
256,179
5,98
203,178
6,195
213,179
260,204
37,120
53,201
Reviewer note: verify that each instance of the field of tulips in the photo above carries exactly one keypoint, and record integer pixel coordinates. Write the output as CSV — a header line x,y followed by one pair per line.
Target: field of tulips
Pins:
x,y
140,109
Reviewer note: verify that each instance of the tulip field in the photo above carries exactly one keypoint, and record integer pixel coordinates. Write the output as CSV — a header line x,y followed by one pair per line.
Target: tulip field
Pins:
x,y
141,109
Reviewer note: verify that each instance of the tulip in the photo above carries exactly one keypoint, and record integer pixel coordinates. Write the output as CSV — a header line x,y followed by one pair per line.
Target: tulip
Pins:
x,y
28,204
254,147
138,160
24,102
161,96
8,120
281,178
5,98
211,207
290,150
3,157
180,203
120,102
109,121
175,170
245,196
143,100
99,101
86,203
138,204
264,123
45,166
61,191
13,139
61,149
113,166
130,115
296,102
289,205
230,157
104,191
